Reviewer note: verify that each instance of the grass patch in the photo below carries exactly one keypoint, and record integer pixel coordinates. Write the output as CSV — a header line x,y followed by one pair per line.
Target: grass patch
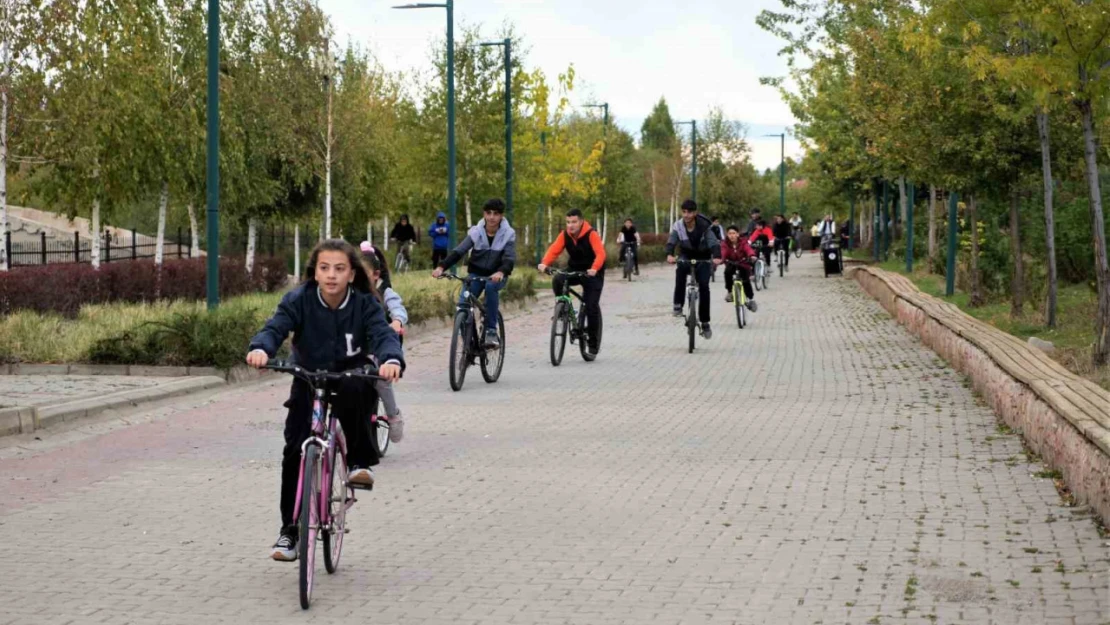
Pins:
x,y
185,333
1073,337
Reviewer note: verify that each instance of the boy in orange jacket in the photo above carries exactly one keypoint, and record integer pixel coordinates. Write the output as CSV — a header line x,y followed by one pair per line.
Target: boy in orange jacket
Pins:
x,y
587,254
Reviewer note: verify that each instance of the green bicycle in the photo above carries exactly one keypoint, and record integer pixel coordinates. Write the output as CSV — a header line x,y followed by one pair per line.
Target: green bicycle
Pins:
x,y
740,298
570,323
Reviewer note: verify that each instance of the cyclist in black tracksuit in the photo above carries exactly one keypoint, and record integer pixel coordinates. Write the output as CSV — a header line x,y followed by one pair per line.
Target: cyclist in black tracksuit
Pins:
x,y
692,238
783,232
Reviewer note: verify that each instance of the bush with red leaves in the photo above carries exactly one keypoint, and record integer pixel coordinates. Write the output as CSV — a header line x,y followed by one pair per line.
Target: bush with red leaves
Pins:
x,y
65,288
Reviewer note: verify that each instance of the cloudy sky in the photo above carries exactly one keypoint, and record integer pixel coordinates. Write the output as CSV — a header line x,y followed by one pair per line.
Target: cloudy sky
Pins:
x,y
696,53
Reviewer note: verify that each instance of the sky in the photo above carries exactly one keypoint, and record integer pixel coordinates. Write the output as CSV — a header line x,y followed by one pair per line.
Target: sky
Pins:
x,y
695,53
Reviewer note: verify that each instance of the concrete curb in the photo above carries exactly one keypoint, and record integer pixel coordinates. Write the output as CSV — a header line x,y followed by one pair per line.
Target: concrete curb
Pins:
x,y
26,419
1063,417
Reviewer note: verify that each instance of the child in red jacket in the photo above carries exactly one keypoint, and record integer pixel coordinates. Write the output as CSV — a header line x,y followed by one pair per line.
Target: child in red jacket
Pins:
x,y
738,254
764,235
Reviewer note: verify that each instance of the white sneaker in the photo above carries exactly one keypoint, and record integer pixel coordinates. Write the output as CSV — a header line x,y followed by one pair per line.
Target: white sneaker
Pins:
x,y
728,297
285,549
752,306
361,477
396,428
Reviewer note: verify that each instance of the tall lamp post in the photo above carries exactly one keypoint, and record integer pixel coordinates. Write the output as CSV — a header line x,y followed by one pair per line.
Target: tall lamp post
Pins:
x,y
782,171
604,106
508,45
212,224
451,200
693,157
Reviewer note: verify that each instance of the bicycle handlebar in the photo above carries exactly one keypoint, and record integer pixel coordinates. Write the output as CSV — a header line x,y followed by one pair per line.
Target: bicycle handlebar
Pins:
x,y
314,378
696,261
451,276
570,274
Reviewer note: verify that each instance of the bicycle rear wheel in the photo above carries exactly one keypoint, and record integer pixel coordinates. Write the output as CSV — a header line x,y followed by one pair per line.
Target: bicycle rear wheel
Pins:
x,y
460,348
338,497
692,321
379,426
492,360
308,523
628,266
559,328
583,336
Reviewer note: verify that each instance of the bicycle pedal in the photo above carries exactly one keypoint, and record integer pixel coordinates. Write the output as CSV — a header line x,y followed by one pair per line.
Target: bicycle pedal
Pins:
x,y
362,486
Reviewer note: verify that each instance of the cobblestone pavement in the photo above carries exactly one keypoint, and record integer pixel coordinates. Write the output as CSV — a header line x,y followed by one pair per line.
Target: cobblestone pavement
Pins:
x,y
818,467
37,390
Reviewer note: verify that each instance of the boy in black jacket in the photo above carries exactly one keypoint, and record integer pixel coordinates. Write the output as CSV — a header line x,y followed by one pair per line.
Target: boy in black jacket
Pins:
x,y
692,238
337,323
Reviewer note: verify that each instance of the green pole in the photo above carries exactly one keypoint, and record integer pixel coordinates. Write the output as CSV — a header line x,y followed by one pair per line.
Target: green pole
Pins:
x,y
452,205
909,227
694,161
213,182
852,219
886,220
782,177
509,129
950,269
876,221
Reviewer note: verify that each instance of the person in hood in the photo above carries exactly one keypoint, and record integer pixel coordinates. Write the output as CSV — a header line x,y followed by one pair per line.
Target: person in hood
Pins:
x,y
405,235
492,247
586,252
692,239
439,233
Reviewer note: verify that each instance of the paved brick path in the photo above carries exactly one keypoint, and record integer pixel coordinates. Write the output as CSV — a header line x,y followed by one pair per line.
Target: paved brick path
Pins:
x,y
819,467
36,390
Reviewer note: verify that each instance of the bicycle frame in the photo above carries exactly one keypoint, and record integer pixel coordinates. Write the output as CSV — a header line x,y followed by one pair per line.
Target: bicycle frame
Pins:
x,y
567,297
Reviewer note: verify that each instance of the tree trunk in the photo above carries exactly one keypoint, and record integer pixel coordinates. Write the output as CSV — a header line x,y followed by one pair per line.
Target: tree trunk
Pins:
x,y
526,228
194,246
6,60
654,201
94,226
1049,217
604,223
549,235
1017,283
469,217
385,232
1102,269
297,250
252,234
327,169
159,246
370,231
973,221
932,227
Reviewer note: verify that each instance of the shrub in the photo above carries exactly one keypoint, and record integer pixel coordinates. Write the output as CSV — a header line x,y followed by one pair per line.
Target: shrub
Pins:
x,y
64,289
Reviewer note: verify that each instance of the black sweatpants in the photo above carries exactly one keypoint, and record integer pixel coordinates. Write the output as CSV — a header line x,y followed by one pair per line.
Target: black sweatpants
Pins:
x,y
732,272
591,297
783,244
437,256
702,272
350,404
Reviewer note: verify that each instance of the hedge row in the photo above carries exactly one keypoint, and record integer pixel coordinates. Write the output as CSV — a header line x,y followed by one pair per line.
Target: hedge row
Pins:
x,y
65,288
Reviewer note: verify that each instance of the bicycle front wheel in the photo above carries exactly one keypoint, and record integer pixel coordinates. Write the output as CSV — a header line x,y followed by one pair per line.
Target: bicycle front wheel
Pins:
x,y
583,334
492,360
460,348
738,301
798,249
782,263
338,497
559,328
757,280
628,267
308,524
692,322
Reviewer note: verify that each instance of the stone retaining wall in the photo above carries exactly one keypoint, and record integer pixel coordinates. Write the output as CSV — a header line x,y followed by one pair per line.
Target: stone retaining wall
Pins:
x,y
1062,417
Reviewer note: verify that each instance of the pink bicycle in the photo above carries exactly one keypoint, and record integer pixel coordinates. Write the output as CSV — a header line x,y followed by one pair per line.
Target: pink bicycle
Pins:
x,y
323,493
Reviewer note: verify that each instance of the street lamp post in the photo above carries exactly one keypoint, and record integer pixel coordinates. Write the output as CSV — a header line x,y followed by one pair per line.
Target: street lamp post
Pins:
x,y
212,224
605,131
451,200
782,171
693,157
508,45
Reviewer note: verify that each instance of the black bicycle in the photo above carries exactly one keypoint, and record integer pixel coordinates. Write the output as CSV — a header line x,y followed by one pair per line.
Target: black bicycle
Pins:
x,y
627,251
467,344
693,328
781,254
570,323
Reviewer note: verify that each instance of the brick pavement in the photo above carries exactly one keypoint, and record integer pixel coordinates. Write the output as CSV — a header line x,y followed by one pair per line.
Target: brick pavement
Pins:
x,y
818,467
37,390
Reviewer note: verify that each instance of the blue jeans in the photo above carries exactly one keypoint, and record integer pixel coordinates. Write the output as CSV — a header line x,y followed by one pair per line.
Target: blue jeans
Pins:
x,y
493,297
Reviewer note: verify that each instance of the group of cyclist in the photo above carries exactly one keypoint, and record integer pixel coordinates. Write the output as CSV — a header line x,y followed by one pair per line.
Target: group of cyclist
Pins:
x,y
345,313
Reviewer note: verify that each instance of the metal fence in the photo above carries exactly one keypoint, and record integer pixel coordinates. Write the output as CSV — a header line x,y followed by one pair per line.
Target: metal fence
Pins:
x,y
79,250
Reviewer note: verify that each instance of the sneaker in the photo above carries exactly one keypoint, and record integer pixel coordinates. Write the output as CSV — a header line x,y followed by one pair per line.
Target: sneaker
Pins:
x,y
362,477
677,311
728,297
636,271
492,340
396,428
285,549
752,306
706,332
